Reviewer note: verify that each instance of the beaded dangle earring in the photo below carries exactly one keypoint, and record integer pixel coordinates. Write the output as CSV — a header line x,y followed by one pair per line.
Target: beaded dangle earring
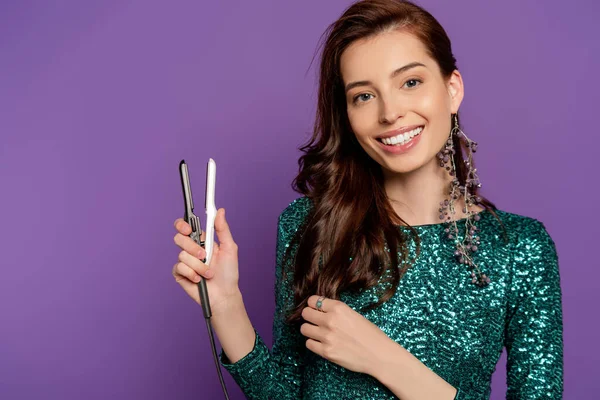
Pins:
x,y
471,241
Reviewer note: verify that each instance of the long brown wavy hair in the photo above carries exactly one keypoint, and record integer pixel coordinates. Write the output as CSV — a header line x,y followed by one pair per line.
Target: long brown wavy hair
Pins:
x,y
341,244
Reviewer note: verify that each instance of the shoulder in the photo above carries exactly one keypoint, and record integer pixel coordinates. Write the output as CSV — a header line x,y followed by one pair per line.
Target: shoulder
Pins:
x,y
294,213
291,218
289,221
534,262
517,221
522,228
531,242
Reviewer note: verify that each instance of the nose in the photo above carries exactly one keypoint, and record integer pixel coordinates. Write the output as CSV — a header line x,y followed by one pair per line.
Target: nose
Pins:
x,y
390,110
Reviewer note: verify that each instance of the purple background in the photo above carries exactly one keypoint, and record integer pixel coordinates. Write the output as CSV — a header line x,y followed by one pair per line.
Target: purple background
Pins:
x,y
100,100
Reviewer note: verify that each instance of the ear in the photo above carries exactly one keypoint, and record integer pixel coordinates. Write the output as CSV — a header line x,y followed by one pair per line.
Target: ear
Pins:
x,y
456,90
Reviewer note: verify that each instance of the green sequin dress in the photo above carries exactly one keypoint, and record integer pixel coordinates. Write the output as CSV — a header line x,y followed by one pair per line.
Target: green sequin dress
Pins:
x,y
454,327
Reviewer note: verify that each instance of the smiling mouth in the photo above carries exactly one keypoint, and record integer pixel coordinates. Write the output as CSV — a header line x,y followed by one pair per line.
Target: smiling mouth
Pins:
x,y
402,138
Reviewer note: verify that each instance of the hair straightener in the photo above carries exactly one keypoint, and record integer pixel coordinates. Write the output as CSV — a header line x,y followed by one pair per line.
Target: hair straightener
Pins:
x,y
207,244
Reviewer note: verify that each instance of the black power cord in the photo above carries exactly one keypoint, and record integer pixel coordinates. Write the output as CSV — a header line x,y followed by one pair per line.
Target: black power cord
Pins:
x,y
215,356
202,290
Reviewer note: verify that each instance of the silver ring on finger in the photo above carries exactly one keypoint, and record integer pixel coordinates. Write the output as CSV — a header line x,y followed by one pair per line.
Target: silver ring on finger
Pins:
x,y
320,303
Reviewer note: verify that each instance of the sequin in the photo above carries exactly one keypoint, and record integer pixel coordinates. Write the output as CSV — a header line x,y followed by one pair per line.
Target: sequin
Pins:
x,y
455,328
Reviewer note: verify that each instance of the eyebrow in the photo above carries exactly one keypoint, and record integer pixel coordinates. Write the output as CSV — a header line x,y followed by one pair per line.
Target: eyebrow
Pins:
x,y
393,74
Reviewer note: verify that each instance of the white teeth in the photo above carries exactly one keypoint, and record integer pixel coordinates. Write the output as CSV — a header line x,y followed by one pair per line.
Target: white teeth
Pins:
x,y
403,137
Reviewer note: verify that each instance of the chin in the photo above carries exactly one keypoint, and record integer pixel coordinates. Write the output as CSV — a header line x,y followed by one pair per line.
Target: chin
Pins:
x,y
409,162
405,166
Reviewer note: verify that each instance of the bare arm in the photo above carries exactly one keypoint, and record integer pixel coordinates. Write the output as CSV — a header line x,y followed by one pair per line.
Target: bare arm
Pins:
x,y
235,331
407,377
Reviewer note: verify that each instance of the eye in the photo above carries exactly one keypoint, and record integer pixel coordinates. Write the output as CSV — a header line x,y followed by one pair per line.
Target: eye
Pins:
x,y
411,83
357,97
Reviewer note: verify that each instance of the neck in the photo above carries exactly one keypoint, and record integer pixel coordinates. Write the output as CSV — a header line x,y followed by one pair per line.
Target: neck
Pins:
x,y
416,196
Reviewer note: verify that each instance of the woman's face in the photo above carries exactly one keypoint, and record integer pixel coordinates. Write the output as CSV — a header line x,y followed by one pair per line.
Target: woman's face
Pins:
x,y
394,87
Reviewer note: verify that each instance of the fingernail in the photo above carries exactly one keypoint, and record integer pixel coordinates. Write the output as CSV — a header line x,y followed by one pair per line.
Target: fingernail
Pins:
x,y
201,254
209,273
196,278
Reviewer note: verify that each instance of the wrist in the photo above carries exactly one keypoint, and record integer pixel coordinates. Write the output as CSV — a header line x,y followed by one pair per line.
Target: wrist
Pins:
x,y
384,354
233,328
228,307
407,377
231,304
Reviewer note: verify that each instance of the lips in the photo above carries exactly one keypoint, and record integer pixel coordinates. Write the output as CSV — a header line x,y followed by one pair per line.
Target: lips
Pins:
x,y
401,148
397,132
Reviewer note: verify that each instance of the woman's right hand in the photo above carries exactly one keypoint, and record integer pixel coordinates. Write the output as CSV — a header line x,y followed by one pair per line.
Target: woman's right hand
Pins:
x,y
223,275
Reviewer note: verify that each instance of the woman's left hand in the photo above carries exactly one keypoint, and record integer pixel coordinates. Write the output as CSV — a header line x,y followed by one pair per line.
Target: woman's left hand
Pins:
x,y
343,336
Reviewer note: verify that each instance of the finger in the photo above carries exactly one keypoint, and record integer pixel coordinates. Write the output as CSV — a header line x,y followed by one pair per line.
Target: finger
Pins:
x,y
312,331
182,227
187,244
195,264
183,272
185,230
313,316
223,233
190,287
316,347
327,305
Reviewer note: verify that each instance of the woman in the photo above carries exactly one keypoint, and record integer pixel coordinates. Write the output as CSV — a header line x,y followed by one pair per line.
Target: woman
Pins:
x,y
389,171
